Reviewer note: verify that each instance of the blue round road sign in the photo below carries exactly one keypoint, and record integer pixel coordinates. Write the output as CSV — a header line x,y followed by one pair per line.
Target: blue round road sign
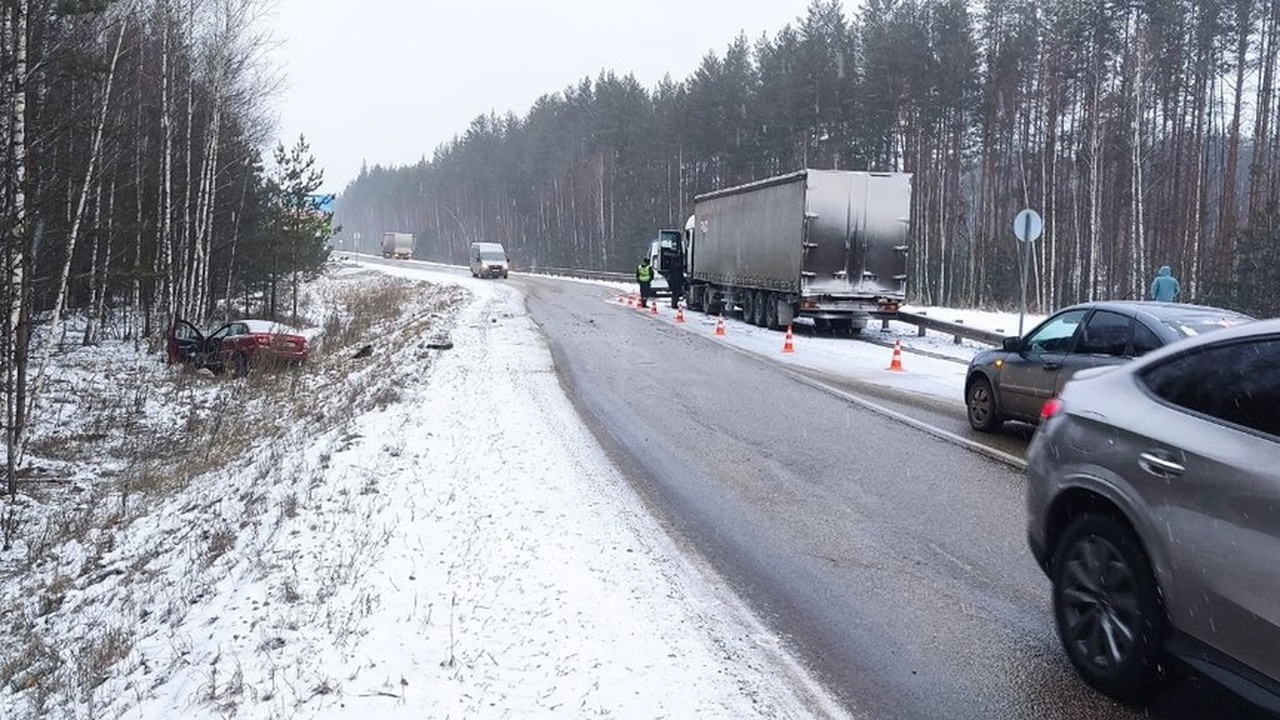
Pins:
x,y
1028,225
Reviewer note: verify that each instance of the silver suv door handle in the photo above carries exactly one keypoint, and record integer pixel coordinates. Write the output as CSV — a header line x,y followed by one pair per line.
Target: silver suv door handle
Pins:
x,y
1159,466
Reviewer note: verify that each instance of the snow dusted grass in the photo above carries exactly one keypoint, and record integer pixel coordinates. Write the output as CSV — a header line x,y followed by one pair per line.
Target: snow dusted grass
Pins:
x,y
148,485
417,533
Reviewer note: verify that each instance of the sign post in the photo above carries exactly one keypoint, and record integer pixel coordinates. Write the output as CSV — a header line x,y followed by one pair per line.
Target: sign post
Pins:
x,y
1027,226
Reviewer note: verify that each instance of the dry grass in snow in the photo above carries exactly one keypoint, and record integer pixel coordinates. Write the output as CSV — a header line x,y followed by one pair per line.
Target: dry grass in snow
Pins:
x,y
418,533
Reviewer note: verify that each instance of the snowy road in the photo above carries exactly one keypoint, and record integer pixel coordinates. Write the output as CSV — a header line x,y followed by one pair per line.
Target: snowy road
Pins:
x,y
893,560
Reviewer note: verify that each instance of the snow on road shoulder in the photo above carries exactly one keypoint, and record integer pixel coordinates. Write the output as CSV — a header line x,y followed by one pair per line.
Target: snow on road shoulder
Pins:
x,y
468,551
536,585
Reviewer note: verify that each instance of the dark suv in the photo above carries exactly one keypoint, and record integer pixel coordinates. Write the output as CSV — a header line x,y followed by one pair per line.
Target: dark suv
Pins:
x,y
1153,504
1013,382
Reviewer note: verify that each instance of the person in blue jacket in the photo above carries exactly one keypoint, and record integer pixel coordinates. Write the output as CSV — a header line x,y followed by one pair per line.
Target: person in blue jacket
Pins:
x,y
1165,287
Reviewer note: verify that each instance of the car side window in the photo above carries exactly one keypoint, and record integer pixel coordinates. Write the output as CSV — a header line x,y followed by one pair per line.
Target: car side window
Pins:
x,y
1144,340
1106,333
1055,335
185,331
1237,382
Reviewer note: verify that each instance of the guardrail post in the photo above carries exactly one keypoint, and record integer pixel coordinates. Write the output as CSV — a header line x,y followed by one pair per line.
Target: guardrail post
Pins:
x,y
956,339
884,324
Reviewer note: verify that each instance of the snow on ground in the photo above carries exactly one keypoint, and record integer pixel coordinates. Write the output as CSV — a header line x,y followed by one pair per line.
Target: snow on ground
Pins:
x,y
423,533
400,546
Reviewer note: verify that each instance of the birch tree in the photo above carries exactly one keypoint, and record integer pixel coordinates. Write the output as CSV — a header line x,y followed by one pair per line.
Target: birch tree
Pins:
x,y
16,257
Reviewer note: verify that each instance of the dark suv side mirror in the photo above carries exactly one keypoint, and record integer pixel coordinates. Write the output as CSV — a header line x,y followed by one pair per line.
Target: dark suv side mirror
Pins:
x,y
1012,344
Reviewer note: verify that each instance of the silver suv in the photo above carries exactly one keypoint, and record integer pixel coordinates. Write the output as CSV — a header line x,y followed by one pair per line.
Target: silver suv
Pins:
x,y
1153,505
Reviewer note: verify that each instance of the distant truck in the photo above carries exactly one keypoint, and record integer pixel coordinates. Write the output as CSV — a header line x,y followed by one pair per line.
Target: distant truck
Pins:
x,y
829,245
397,245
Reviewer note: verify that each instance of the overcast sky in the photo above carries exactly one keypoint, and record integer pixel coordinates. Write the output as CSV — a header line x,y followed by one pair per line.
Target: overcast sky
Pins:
x,y
387,81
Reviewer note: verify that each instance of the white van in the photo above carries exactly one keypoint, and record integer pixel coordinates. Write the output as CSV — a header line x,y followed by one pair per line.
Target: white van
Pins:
x,y
489,260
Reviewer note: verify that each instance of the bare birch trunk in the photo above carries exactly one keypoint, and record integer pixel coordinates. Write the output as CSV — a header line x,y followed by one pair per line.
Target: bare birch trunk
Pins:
x,y
1194,210
164,243
135,284
90,336
185,253
204,216
1095,170
16,260
1137,268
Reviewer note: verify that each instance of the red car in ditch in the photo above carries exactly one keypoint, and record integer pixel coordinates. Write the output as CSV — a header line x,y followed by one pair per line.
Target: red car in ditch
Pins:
x,y
236,346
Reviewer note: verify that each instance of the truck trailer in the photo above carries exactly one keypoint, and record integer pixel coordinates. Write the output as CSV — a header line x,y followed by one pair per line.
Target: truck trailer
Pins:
x,y
397,245
828,245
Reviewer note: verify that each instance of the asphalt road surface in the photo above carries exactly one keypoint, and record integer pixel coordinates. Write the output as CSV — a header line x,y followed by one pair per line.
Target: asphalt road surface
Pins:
x,y
893,561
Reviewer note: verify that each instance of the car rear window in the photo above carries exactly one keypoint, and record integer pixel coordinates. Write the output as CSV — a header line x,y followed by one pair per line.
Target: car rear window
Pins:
x,y
1194,325
267,327
1144,341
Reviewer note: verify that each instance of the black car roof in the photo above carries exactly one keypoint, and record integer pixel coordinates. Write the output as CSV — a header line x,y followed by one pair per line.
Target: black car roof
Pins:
x,y
1162,310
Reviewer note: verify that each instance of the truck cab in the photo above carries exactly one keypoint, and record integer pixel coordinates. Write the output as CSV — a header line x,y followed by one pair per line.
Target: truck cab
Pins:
x,y
664,251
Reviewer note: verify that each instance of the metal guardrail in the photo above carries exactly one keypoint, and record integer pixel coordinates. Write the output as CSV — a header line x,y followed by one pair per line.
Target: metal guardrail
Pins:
x,y
957,330
584,274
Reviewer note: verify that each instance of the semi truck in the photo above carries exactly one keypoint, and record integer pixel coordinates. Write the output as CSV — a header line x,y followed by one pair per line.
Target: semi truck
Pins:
x,y
397,245
827,245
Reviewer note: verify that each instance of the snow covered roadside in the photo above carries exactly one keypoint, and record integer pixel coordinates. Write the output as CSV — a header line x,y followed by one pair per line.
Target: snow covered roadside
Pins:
x,y
461,549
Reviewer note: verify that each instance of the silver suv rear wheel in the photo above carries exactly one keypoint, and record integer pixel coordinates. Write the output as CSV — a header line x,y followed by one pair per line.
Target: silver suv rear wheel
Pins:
x,y
1107,607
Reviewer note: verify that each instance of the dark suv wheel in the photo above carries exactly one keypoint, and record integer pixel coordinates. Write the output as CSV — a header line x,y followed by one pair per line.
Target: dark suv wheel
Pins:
x,y
980,404
1108,608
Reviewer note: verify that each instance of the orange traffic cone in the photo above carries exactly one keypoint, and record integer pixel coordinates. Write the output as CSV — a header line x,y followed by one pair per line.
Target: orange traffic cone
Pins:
x,y
653,309
631,300
679,313
622,299
896,363
720,326
788,345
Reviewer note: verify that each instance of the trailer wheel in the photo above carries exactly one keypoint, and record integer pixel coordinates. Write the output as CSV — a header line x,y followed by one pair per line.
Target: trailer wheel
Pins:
x,y
760,306
771,311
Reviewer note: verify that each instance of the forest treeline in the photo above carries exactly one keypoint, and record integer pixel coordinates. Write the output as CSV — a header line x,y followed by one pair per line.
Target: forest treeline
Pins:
x,y
133,185
1145,133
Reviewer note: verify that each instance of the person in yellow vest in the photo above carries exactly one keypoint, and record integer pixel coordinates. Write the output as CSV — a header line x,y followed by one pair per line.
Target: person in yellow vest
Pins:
x,y
644,276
